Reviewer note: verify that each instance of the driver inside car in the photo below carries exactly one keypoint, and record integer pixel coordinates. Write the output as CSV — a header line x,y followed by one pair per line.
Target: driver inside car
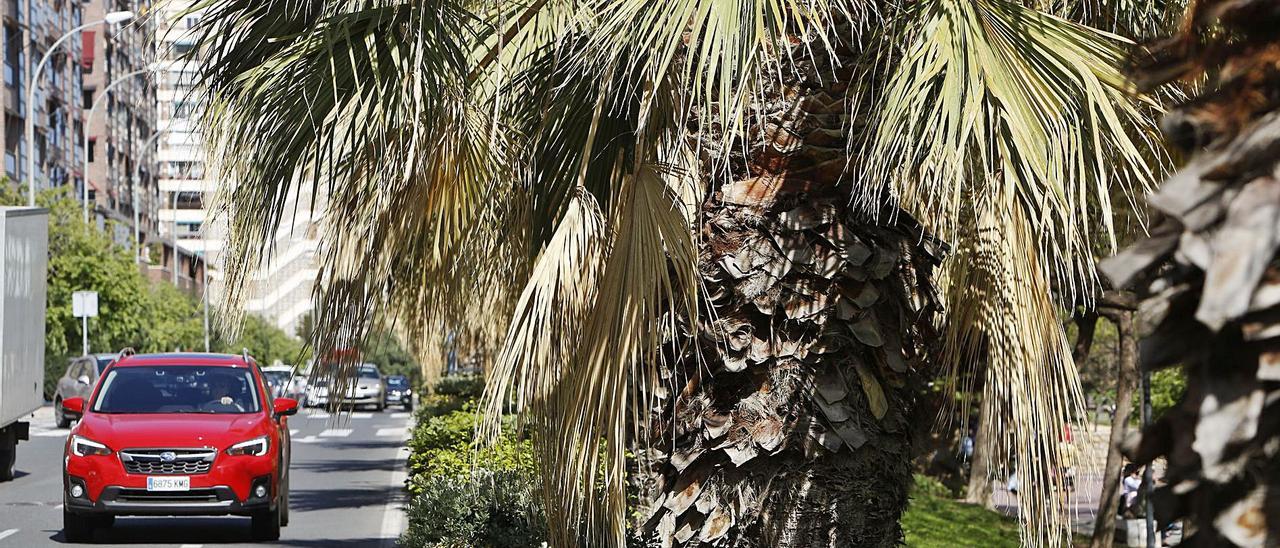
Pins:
x,y
225,395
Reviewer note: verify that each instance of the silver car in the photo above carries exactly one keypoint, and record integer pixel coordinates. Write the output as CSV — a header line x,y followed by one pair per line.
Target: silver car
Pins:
x,y
77,382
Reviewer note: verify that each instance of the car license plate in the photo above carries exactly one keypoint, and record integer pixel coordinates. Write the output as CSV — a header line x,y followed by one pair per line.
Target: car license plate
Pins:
x,y
169,483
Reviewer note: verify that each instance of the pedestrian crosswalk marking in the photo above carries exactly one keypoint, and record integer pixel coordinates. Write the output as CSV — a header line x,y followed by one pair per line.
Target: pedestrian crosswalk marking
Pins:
x,y
318,415
392,432
7,533
336,433
362,415
308,439
293,431
399,415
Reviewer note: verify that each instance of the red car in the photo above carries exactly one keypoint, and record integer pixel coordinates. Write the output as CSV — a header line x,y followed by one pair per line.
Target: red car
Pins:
x,y
178,434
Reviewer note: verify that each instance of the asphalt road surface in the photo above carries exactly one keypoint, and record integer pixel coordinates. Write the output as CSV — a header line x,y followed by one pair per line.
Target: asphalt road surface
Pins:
x,y
348,473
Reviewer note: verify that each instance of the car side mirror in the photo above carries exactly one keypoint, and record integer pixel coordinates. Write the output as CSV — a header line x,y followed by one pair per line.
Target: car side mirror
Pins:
x,y
84,379
284,407
73,405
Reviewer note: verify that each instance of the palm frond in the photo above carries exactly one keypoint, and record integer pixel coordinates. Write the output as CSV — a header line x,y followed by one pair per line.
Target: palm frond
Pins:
x,y
1007,132
650,270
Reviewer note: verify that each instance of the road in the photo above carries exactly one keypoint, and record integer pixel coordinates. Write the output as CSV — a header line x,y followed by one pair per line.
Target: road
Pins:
x,y
346,490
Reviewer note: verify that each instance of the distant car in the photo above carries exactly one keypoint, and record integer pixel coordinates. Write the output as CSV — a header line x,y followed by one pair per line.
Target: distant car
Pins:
x,y
177,435
278,378
317,393
367,388
298,388
399,392
77,382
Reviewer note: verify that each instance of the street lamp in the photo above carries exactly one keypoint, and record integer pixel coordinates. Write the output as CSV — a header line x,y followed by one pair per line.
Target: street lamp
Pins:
x,y
137,166
106,91
110,19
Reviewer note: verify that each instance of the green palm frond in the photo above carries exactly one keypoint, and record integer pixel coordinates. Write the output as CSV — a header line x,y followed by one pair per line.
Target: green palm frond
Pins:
x,y
1020,124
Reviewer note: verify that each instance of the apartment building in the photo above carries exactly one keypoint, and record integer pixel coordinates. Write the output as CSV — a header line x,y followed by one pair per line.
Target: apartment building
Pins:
x,y
31,28
281,288
119,84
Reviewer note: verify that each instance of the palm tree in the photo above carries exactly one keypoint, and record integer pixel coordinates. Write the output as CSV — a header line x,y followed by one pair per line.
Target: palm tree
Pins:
x,y
690,227
1208,276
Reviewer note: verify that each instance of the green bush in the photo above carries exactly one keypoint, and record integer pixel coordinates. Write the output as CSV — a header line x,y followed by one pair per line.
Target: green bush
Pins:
x,y
463,494
467,387
487,509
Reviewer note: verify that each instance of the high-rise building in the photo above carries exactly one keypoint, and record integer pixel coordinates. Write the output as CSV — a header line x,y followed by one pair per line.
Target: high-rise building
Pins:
x,y
31,28
117,80
281,288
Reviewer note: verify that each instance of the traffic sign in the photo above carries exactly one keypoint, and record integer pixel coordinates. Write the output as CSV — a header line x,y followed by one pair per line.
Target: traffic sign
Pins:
x,y
84,304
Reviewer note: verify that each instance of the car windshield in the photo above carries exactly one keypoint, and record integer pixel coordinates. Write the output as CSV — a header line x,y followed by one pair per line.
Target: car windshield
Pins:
x,y
397,382
276,377
177,389
369,373
103,362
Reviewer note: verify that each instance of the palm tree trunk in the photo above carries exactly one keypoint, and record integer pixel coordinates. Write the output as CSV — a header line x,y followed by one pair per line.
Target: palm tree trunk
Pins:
x,y
788,425
1119,310
979,491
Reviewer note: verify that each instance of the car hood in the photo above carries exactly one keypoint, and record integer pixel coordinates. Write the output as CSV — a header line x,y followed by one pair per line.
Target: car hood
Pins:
x,y
123,431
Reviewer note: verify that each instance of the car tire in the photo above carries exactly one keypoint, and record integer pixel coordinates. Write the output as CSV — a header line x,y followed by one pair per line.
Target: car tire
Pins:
x,y
8,454
59,416
266,525
76,528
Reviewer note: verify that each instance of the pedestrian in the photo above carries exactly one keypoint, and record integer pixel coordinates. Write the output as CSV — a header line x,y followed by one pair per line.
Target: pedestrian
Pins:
x,y
966,447
1132,484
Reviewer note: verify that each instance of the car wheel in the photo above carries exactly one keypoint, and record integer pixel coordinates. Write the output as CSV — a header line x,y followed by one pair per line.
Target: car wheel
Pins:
x,y
75,527
8,454
59,416
266,525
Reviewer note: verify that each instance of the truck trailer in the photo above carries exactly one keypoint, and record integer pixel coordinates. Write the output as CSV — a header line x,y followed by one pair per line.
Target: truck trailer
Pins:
x,y
24,253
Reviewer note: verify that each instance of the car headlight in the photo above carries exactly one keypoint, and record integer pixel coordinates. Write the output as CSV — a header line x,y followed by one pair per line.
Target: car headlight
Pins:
x,y
408,391
255,447
84,447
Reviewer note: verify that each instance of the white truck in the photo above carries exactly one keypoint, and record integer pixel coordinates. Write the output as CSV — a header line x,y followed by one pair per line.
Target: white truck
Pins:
x,y
24,252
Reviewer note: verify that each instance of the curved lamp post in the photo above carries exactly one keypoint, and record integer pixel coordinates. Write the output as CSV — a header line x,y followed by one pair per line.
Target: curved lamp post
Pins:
x,y
106,91
137,167
110,19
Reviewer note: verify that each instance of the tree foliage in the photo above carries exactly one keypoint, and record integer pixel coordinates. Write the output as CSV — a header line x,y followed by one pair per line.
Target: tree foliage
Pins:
x,y
132,311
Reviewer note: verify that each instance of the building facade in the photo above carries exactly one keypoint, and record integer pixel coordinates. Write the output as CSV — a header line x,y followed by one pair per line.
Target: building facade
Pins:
x,y
120,85
31,28
281,289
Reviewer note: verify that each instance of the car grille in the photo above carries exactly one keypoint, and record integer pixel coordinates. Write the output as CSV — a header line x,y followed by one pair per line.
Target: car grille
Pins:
x,y
144,496
184,462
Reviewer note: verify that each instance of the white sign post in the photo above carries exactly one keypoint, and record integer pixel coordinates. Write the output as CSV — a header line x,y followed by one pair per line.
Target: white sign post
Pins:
x,y
84,305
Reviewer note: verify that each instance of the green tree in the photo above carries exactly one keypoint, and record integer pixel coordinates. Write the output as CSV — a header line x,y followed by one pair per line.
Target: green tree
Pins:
x,y
704,191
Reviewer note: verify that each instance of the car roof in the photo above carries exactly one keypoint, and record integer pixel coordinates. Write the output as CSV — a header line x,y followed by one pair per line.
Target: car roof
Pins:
x,y
183,358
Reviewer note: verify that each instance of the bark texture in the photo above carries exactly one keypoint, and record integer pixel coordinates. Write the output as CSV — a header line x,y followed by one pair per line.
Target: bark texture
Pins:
x,y
981,473
1210,278
788,424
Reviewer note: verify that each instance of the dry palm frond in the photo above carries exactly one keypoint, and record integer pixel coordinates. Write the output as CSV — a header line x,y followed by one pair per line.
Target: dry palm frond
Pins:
x,y
1005,316
614,361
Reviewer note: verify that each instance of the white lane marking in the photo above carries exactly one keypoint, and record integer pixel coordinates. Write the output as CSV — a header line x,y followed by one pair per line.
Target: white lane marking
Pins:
x,y
318,415
7,533
58,507
50,433
399,415
336,433
362,415
191,546
293,431
393,432
308,439
393,512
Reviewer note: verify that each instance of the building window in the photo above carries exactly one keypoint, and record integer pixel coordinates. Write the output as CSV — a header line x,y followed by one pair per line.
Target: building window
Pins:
x,y
87,97
93,147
